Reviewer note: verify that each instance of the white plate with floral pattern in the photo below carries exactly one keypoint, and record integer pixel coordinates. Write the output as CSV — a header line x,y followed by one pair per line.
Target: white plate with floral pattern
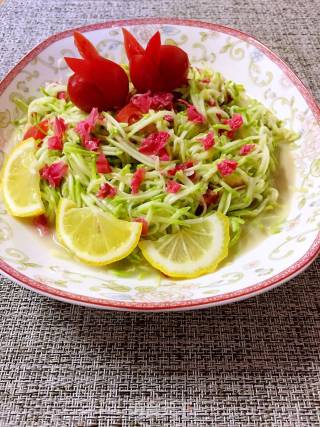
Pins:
x,y
32,262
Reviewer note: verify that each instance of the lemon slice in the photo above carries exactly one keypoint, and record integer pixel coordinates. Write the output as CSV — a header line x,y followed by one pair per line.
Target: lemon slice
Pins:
x,y
193,250
93,235
21,181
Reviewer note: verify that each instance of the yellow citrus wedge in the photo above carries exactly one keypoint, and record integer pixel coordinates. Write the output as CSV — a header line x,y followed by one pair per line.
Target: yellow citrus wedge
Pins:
x,y
192,251
94,236
21,181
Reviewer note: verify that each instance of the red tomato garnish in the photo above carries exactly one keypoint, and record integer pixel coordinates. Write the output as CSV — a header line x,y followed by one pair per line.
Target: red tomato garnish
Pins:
x,y
97,82
129,114
158,67
84,94
38,131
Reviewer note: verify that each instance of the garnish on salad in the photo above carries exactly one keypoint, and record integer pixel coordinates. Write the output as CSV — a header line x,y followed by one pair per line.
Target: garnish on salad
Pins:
x,y
159,158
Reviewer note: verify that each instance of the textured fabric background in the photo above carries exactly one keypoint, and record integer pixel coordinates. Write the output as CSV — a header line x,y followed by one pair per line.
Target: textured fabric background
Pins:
x,y
255,363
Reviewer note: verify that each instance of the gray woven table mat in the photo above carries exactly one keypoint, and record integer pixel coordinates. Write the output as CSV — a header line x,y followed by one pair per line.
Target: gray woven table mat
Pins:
x,y
255,363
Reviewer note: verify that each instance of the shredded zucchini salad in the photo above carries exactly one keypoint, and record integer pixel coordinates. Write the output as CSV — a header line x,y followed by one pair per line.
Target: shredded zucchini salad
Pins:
x,y
188,167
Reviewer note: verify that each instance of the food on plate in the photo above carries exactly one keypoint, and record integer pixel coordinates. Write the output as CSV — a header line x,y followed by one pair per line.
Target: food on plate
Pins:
x,y
158,158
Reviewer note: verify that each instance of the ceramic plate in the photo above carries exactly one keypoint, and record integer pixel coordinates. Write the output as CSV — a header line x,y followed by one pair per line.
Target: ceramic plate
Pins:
x,y
35,264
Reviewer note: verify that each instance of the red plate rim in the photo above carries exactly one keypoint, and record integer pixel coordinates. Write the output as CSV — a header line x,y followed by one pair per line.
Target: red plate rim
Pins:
x,y
260,287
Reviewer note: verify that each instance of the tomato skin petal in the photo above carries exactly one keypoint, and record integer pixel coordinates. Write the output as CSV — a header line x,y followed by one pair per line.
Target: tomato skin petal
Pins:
x,y
80,67
132,46
153,49
84,46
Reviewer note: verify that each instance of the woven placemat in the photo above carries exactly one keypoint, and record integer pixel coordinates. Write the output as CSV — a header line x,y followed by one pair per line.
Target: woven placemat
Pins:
x,y
255,363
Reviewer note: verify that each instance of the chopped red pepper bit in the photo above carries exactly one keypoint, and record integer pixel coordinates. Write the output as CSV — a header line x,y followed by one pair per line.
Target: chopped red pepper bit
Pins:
x,y
246,149
84,129
154,143
102,164
59,126
145,225
168,118
227,167
55,142
54,173
157,101
91,144
162,100
208,141
192,113
62,95
181,167
142,102
173,186
235,123
164,155
106,190
137,180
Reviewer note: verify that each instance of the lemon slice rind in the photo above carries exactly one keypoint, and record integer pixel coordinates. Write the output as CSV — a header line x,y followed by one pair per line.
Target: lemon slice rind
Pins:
x,y
131,232
21,181
216,232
